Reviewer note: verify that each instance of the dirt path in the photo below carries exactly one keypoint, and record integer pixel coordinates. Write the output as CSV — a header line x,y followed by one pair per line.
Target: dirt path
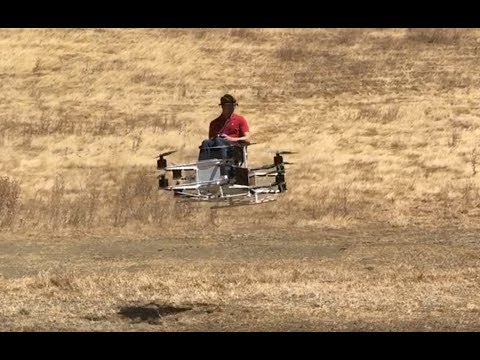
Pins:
x,y
23,258
349,281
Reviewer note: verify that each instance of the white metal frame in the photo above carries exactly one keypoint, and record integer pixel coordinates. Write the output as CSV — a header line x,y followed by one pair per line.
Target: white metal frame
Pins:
x,y
253,194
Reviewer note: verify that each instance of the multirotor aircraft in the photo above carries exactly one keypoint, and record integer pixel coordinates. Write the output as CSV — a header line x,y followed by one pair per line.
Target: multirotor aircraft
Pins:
x,y
225,178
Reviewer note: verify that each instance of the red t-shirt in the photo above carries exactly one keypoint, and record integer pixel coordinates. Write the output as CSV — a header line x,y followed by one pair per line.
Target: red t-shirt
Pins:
x,y
236,127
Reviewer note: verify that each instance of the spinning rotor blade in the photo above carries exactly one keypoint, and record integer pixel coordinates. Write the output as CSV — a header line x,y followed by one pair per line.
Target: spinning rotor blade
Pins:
x,y
168,153
165,154
279,152
286,152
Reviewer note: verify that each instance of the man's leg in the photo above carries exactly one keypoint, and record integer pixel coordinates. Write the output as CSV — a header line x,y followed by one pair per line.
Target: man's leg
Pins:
x,y
222,152
205,150
215,148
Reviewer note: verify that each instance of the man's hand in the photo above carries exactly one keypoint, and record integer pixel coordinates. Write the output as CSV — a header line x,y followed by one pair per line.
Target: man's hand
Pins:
x,y
228,138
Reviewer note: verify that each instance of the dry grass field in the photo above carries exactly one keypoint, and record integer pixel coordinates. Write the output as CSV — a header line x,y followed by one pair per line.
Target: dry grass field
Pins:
x,y
377,232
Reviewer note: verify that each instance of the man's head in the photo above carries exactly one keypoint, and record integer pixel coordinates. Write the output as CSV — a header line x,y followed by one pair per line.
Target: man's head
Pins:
x,y
228,103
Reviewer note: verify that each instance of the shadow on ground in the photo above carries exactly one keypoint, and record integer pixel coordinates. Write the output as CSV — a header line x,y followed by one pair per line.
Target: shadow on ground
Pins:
x,y
150,312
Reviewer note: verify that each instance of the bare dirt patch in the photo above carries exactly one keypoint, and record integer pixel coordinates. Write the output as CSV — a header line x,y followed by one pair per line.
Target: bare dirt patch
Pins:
x,y
386,279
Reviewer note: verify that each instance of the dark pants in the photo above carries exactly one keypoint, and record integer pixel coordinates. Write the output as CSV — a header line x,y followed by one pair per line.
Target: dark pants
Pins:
x,y
208,151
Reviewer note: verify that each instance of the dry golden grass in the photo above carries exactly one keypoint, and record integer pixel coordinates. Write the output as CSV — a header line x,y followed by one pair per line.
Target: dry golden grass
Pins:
x,y
400,282
386,120
386,123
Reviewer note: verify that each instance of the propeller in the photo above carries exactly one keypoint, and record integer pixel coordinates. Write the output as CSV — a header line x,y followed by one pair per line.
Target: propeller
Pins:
x,y
279,152
286,152
165,154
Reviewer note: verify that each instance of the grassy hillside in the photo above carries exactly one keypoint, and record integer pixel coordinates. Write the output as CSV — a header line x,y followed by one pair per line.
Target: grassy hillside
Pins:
x,y
386,122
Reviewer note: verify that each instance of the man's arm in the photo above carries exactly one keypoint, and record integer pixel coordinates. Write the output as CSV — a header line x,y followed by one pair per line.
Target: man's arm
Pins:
x,y
211,133
245,137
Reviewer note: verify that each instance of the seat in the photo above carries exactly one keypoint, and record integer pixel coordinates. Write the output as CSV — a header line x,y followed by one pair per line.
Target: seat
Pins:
x,y
240,153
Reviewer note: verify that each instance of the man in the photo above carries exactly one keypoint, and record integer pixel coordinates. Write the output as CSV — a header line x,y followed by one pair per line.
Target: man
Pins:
x,y
228,129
